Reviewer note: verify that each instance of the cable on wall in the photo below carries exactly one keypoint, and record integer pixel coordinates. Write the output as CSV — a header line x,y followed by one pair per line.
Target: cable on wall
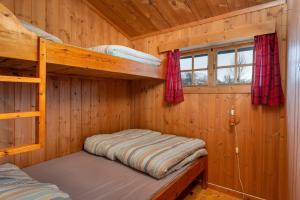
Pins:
x,y
233,121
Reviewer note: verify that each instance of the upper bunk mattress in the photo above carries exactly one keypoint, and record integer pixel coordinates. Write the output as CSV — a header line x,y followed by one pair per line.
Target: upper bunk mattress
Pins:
x,y
85,176
113,50
41,33
127,53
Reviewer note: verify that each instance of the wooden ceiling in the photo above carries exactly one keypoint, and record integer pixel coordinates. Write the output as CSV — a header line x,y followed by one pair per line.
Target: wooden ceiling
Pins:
x,y
138,17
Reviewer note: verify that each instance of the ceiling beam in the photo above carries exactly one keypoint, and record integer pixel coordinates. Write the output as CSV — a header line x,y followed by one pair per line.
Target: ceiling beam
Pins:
x,y
215,18
238,32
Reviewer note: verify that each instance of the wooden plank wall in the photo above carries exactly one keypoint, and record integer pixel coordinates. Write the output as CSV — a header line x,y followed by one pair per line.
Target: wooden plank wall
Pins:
x,y
293,96
79,107
76,22
262,131
76,107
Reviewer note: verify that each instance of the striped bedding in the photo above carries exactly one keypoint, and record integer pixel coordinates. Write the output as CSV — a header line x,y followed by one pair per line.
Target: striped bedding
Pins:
x,y
147,151
17,185
108,144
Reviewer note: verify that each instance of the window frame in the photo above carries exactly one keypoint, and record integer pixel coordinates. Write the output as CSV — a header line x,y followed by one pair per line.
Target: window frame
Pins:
x,y
235,48
194,54
212,63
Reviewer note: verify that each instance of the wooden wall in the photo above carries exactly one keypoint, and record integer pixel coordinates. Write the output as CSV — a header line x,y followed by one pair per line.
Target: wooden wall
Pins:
x,y
262,134
79,107
76,22
293,97
76,107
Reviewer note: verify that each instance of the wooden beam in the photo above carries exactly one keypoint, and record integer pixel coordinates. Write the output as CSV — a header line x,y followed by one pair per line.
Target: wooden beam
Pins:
x,y
16,115
239,32
215,18
81,59
17,150
19,79
41,91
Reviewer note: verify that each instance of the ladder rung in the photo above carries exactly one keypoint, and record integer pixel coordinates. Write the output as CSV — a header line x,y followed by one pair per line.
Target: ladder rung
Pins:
x,y
21,149
19,115
19,79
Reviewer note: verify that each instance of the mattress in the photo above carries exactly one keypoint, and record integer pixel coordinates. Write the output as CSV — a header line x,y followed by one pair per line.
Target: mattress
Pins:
x,y
114,50
127,53
85,176
41,33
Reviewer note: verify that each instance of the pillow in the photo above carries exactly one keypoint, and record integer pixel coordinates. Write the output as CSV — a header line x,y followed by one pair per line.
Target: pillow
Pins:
x,y
41,33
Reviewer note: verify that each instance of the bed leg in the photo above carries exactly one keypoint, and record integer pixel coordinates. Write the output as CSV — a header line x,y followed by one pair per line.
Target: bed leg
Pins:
x,y
204,182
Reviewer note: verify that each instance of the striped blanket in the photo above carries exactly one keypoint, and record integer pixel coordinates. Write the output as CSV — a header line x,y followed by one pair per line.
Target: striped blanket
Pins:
x,y
17,185
108,144
147,151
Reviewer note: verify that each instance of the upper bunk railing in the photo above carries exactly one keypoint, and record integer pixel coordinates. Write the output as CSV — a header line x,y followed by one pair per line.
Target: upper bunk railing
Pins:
x,y
15,40
70,59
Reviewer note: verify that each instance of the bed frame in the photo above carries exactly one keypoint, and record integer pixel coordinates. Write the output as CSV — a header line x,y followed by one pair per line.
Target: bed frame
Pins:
x,y
197,171
23,50
16,42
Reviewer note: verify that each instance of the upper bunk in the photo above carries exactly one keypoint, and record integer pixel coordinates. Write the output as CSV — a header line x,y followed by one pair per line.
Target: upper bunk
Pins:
x,y
19,49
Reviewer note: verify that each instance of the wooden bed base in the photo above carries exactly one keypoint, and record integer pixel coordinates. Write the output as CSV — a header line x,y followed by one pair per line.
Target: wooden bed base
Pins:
x,y
198,169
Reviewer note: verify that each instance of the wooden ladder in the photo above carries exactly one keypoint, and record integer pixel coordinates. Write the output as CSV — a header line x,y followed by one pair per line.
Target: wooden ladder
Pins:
x,y
40,79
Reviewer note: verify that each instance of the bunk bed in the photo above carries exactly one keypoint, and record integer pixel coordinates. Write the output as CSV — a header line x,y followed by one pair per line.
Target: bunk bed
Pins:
x,y
17,43
21,49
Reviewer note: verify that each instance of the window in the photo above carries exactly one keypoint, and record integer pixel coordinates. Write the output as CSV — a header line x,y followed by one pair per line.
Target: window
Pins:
x,y
234,65
218,66
194,69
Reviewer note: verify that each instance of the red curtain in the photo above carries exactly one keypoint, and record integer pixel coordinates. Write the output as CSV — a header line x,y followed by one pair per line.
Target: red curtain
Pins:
x,y
174,91
266,80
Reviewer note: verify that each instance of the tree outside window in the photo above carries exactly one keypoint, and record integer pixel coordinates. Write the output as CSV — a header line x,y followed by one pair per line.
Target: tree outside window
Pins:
x,y
218,66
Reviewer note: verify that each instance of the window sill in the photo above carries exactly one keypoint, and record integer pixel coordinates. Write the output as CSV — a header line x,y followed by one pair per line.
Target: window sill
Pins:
x,y
219,89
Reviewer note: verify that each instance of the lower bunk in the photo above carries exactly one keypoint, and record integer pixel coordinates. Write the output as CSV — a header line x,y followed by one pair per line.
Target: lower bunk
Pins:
x,y
137,164
85,176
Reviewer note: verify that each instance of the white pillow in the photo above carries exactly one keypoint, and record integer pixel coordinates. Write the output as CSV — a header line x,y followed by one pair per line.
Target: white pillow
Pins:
x,y
41,33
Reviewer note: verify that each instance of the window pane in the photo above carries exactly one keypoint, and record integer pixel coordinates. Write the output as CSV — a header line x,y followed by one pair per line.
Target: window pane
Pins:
x,y
226,58
225,75
186,78
200,77
245,55
186,63
201,61
244,74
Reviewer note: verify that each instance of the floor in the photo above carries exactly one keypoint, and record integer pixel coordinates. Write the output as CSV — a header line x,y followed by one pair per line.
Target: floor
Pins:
x,y
196,193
